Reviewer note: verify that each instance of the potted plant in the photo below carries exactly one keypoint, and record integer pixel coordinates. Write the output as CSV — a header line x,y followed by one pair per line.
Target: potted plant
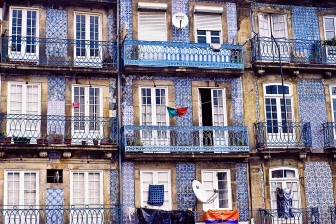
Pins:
x,y
42,140
55,138
331,42
83,142
4,139
107,141
21,140
96,140
67,138
315,58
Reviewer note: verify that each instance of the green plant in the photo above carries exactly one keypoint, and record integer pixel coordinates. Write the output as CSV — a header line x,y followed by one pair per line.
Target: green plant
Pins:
x,y
331,42
314,57
96,138
2,134
68,135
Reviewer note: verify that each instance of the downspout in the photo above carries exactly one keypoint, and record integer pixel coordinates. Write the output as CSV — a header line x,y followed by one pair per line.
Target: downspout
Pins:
x,y
119,116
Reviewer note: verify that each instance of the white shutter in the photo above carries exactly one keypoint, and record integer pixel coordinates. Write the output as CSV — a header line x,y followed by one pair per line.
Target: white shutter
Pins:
x,y
152,26
212,21
279,26
264,25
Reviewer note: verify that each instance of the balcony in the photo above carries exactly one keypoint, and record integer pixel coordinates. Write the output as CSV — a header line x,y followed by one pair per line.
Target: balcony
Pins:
x,y
182,139
177,54
290,135
35,127
329,133
298,51
86,214
274,216
58,53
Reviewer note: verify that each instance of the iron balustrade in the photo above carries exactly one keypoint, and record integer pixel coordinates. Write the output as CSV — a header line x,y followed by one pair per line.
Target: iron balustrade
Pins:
x,y
185,139
332,210
329,134
274,216
161,53
293,51
65,214
53,126
51,52
292,134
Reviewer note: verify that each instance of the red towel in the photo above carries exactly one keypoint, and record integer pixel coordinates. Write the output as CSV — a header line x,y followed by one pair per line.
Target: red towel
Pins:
x,y
181,110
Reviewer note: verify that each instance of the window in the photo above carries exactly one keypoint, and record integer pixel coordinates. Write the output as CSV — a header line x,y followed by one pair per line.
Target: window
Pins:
x,y
21,188
89,109
156,177
329,27
272,24
86,188
286,179
221,181
88,32
275,110
153,111
23,99
152,24
208,27
333,101
23,32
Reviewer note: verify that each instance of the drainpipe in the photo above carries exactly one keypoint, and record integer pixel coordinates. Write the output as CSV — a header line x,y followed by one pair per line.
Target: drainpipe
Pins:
x,y
282,82
119,115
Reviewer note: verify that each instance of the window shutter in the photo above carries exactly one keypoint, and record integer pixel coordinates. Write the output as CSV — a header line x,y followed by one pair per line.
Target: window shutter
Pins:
x,y
205,21
264,29
279,26
152,26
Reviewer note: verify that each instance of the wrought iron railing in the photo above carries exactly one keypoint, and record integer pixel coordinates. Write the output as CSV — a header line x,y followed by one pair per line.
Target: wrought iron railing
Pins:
x,y
49,52
333,214
329,133
88,214
185,139
274,216
290,134
293,51
76,128
160,53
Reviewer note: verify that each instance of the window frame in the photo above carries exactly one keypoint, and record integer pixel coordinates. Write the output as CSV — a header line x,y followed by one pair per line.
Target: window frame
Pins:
x,y
21,188
155,181
332,97
278,100
153,112
208,31
86,183
283,180
21,54
24,96
324,27
143,10
214,172
271,25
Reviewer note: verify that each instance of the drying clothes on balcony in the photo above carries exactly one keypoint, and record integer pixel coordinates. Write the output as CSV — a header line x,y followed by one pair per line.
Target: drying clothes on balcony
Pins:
x,y
221,216
155,216
284,203
180,111
156,195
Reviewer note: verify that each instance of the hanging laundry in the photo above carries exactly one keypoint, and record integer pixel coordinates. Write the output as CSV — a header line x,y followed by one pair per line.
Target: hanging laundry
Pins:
x,y
156,195
284,203
179,111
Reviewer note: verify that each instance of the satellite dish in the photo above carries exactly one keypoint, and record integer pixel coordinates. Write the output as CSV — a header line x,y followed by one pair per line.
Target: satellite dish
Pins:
x,y
180,20
201,194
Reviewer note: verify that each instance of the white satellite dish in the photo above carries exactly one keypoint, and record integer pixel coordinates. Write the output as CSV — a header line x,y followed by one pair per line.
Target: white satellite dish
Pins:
x,y
180,20
201,194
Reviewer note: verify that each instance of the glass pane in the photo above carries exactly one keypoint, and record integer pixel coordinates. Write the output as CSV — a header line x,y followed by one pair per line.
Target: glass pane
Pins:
x,y
277,174
329,24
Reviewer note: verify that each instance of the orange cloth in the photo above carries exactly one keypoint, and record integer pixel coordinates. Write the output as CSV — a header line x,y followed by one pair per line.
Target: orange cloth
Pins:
x,y
211,215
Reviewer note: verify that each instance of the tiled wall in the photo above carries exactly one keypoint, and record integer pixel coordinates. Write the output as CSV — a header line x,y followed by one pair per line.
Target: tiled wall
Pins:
x,y
54,197
185,174
319,188
128,193
242,191
312,106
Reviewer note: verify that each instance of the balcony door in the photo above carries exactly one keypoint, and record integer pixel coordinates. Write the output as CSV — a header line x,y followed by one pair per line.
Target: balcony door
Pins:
x,y
86,113
153,112
21,197
284,185
24,104
329,33
278,119
88,36
23,43
276,25
212,114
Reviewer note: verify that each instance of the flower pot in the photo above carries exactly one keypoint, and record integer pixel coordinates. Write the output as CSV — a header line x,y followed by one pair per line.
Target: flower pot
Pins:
x,y
21,140
5,140
67,141
83,142
42,141
57,141
95,142
105,142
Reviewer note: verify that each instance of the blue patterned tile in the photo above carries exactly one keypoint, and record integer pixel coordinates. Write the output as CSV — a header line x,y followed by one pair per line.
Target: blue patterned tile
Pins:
x,y
242,191
319,188
54,197
185,174
56,88
128,192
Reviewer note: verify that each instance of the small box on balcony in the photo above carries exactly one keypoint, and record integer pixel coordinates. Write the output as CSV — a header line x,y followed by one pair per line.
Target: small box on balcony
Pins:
x,y
76,104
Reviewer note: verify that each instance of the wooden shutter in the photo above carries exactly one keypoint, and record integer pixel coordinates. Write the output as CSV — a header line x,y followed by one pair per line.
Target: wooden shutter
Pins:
x,y
279,26
264,25
208,21
152,26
